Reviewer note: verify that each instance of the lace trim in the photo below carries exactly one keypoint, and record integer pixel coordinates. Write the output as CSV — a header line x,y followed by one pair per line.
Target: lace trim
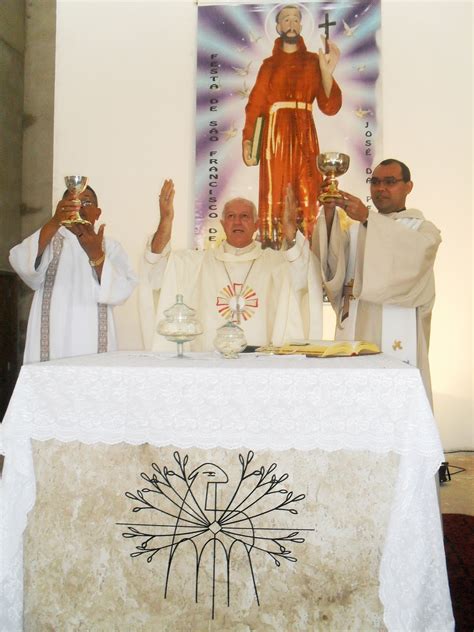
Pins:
x,y
47,293
102,328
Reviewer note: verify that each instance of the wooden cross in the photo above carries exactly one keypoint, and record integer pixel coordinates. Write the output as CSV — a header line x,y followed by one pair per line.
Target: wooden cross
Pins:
x,y
325,25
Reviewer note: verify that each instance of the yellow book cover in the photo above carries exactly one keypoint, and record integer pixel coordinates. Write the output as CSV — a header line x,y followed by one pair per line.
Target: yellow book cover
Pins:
x,y
257,139
329,348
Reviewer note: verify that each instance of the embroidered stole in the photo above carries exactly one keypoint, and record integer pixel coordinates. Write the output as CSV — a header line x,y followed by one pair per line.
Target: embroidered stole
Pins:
x,y
50,277
399,335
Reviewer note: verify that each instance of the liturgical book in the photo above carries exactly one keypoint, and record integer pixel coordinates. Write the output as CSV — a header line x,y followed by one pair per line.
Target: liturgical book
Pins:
x,y
329,348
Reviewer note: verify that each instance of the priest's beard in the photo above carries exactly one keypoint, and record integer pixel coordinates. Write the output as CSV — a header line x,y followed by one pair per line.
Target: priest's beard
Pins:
x,y
289,39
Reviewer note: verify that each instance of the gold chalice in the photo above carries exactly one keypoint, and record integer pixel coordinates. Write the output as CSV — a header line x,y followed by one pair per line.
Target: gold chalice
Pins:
x,y
75,185
331,164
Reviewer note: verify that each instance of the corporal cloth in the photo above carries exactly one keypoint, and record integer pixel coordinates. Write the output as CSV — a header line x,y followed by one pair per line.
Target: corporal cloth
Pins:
x,y
393,266
69,301
281,292
284,91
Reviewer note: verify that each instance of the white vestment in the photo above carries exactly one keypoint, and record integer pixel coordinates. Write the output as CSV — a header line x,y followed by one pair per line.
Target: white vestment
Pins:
x,y
393,265
280,292
71,313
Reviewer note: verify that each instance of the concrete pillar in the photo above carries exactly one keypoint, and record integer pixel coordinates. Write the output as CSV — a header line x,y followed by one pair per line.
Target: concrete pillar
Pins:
x,y
12,49
38,127
38,137
27,65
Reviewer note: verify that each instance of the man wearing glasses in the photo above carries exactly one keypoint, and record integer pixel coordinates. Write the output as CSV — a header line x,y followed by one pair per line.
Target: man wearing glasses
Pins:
x,y
78,275
378,272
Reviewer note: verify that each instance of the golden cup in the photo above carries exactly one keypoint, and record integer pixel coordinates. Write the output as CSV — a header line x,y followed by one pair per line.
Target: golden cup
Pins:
x,y
331,164
75,185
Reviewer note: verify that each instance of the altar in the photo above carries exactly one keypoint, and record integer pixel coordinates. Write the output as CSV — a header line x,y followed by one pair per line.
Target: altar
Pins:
x,y
145,492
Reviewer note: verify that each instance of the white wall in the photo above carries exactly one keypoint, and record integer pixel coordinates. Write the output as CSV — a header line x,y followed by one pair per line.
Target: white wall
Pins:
x,y
427,69
124,115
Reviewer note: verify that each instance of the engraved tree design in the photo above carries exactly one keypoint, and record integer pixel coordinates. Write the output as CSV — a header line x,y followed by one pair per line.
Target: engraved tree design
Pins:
x,y
190,510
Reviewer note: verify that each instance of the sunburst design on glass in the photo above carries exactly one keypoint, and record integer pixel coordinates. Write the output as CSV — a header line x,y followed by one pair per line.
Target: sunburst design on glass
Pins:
x,y
235,298
210,519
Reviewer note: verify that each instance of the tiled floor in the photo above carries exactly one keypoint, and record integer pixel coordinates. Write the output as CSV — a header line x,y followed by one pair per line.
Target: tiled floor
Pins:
x,y
457,495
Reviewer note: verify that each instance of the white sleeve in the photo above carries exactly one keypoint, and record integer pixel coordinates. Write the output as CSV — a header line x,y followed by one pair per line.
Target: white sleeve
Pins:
x,y
306,283
23,258
299,257
152,272
154,266
333,255
118,280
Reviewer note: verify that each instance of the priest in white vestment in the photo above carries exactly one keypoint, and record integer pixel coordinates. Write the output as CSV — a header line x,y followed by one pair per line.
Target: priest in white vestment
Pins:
x,y
378,272
274,296
78,276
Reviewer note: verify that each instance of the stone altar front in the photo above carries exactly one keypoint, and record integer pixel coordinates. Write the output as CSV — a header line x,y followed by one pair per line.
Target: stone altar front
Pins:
x,y
286,493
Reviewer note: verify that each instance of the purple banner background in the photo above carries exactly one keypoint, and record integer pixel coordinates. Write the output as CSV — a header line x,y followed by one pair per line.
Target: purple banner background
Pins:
x,y
233,40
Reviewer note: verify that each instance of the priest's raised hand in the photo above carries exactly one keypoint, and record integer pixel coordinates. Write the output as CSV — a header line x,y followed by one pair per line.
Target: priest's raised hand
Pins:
x,y
92,244
163,232
353,206
272,295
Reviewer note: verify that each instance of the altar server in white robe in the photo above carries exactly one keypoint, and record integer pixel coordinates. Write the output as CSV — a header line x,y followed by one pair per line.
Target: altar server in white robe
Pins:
x,y
275,296
78,275
378,270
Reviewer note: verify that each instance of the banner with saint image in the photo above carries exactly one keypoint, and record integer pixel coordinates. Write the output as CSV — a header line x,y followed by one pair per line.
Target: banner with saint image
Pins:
x,y
283,105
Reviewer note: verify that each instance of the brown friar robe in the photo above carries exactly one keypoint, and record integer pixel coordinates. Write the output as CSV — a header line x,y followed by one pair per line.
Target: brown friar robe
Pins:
x,y
287,84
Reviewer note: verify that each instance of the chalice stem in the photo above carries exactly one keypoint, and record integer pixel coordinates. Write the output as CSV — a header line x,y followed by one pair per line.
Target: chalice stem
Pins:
x,y
333,187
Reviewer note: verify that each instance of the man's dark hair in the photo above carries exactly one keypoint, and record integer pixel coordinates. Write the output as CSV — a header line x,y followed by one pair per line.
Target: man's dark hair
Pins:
x,y
406,175
87,188
288,6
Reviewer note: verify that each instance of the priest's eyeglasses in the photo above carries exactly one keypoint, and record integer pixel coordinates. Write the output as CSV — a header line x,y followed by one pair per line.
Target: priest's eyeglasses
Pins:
x,y
386,182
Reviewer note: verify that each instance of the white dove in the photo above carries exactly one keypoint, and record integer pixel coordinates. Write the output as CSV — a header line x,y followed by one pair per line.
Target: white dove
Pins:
x,y
349,31
244,92
360,113
231,132
253,38
242,72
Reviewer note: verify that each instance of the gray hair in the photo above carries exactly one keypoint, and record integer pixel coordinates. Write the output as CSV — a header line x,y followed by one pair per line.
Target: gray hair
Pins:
x,y
240,199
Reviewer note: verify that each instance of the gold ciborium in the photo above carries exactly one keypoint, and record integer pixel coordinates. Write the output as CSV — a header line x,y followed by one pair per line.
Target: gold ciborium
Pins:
x,y
75,185
331,164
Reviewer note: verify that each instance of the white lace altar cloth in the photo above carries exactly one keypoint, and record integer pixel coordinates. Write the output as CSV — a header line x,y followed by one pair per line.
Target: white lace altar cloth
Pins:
x,y
370,403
